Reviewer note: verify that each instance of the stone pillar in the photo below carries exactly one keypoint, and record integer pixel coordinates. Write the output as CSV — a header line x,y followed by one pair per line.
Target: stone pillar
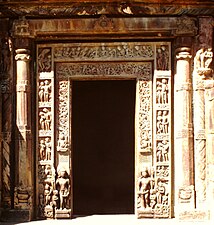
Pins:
x,y
202,85
183,142
23,183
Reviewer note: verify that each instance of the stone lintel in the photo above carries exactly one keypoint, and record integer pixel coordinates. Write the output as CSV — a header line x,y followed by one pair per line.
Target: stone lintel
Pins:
x,y
147,26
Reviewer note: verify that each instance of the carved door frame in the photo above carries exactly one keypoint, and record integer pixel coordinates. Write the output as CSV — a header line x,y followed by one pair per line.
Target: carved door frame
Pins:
x,y
149,63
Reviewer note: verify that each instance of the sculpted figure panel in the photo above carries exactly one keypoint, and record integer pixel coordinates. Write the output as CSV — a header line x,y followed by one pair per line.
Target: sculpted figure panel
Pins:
x,y
45,91
202,61
45,118
162,57
44,60
162,91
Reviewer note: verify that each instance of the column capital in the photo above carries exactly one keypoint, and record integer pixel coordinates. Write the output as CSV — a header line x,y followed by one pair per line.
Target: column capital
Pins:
x,y
183,53
22,54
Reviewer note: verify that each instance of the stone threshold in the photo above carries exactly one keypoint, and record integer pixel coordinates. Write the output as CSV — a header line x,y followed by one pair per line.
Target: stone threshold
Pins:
x,y
122,219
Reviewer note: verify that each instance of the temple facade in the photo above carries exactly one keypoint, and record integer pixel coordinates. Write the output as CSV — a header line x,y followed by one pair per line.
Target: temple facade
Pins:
x,y
106,107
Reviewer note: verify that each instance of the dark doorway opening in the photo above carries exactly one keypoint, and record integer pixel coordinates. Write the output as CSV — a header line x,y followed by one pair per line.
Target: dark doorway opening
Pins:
x,y
103,146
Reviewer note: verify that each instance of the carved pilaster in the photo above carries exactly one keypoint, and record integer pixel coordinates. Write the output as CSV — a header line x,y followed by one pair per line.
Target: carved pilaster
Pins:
x,y
202,72
23,183
184,174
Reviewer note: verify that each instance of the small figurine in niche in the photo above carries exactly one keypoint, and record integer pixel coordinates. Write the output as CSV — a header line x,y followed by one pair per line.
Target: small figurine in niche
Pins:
x,y
41,92
47,89
63,187
164,91
62,142
165,122
42,147
144,185
48,148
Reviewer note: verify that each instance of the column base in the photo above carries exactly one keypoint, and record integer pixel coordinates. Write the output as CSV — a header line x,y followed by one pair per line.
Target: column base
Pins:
x,y
148,213
194,215
15,215
63,214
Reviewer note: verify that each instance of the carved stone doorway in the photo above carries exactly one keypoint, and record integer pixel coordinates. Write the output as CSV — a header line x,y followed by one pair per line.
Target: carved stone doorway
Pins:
x,y
103,147
149,65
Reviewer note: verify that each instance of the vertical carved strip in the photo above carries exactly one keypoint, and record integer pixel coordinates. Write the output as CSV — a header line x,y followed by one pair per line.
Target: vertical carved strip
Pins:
x,y
63,154
143,153
6,74
45,141
162,132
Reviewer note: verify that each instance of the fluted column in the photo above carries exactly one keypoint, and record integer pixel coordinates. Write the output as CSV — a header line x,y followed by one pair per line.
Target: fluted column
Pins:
x,y
183,143
23,182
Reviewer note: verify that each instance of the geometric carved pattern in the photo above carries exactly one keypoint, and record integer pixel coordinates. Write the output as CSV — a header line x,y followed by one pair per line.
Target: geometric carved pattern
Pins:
x,y
153,118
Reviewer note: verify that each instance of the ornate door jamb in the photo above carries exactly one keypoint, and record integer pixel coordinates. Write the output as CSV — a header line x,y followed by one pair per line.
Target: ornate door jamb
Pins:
x,y
149,64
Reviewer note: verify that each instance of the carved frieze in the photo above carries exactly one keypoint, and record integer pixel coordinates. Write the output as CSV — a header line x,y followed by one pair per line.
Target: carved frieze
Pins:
x,y
104,51
104,69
